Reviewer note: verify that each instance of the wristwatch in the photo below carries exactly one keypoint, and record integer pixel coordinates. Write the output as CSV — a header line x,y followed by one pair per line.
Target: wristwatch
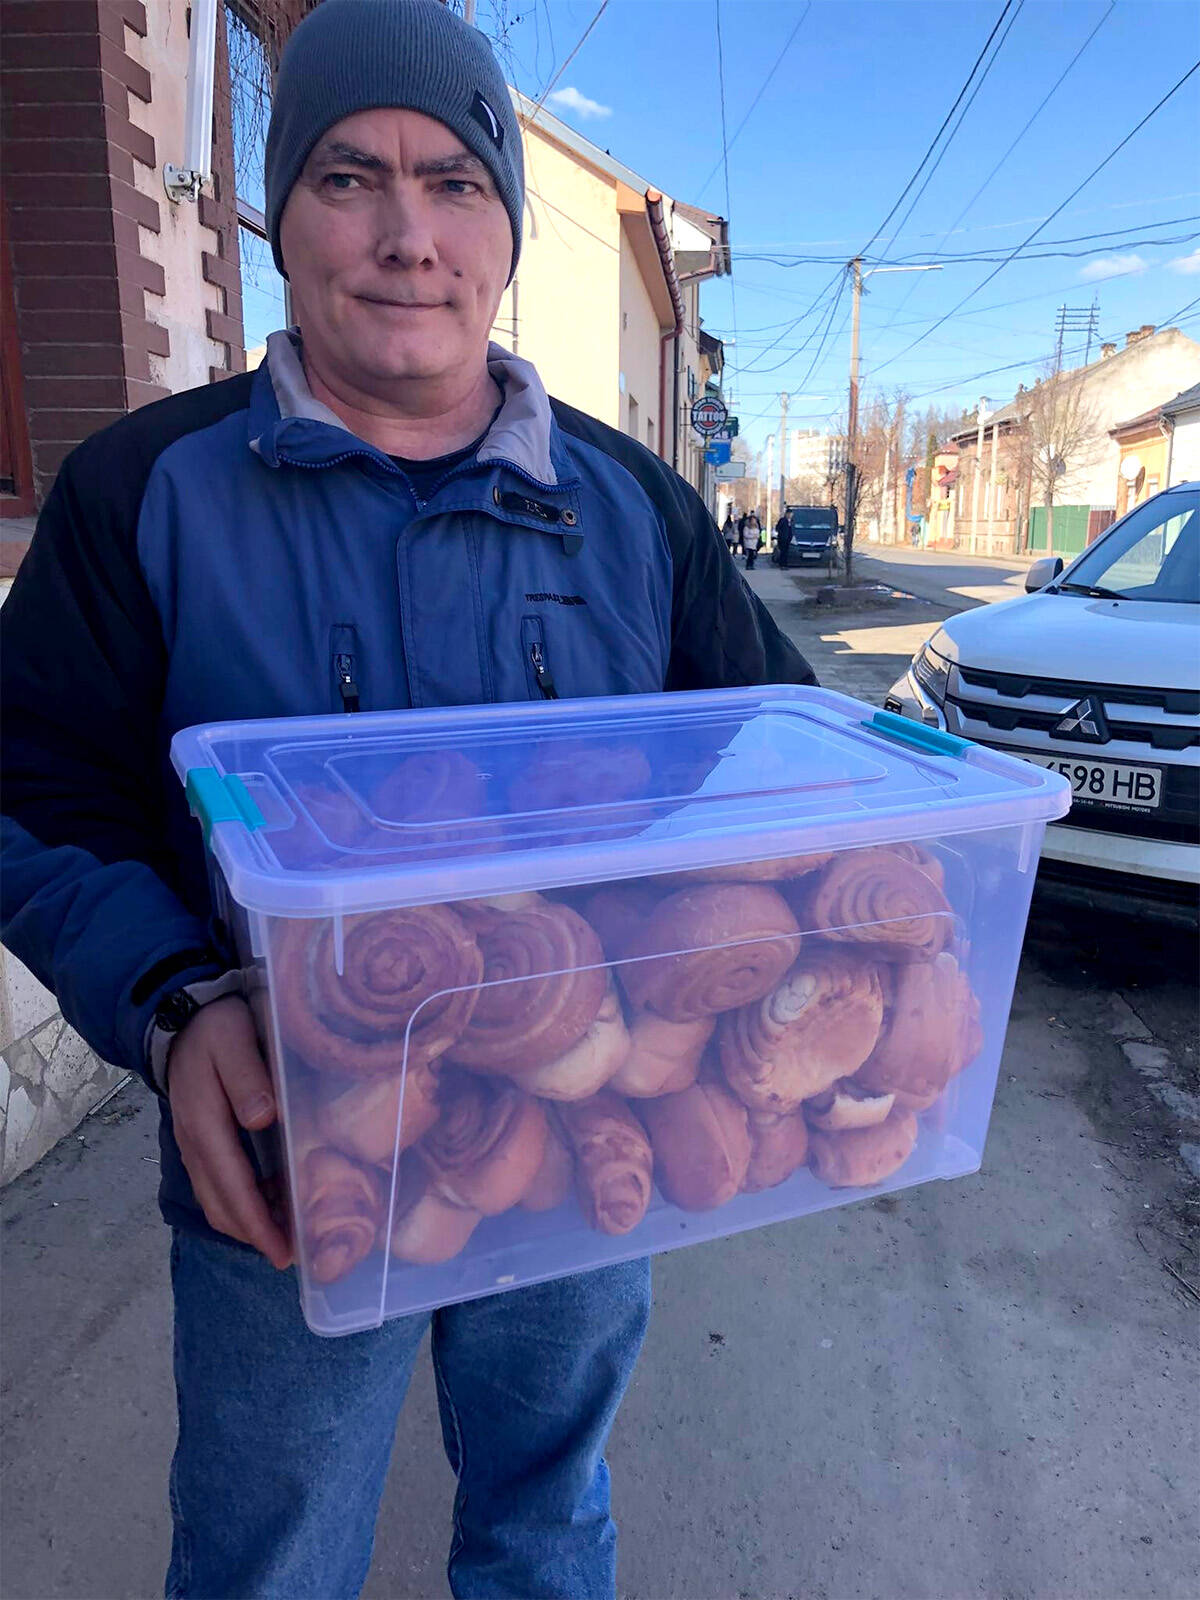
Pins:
x,y
173,1013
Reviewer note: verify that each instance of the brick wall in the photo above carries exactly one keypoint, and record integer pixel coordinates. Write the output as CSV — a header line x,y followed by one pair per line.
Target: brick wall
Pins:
x,y
83,289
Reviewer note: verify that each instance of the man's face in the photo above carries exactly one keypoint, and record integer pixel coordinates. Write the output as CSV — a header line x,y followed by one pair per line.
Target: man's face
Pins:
x,y
398,249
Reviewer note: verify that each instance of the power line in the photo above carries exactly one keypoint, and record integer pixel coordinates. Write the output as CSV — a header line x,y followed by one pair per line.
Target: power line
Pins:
x,y
725,164
1042,104
817,305
1029,238
1008,4
532,117
775,66
1112,239
912,204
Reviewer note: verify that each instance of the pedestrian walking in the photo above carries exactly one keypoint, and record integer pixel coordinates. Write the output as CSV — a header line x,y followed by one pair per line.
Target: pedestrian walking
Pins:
x,y
751,539
366,522
729,531
784,529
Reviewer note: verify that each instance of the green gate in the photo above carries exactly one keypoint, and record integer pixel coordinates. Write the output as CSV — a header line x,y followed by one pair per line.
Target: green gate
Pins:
x,y
1070,529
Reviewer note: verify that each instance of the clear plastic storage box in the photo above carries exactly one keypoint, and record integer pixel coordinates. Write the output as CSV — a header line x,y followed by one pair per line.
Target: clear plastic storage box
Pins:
x,y
543,987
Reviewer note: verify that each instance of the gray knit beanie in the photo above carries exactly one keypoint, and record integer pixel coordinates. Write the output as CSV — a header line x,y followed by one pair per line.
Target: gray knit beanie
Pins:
x,y
355,55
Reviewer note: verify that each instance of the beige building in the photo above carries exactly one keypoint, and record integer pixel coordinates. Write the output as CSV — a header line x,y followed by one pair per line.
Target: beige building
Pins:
x,y
606,299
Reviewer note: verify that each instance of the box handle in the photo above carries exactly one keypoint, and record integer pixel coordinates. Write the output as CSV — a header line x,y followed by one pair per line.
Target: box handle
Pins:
x,y
214,799
905,731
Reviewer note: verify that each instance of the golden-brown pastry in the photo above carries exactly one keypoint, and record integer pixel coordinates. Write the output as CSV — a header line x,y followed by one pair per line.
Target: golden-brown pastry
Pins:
x,y
618,910
589,1063
361,1119
416,965
426,1227
565,774
920,857
847,1105
555,1178
664,1057
820,1024
340,1204
878,899
860,1157
432,786
701,1145
778,1147
930,1031
731,944
613,1161
487,1144
779,870
545,982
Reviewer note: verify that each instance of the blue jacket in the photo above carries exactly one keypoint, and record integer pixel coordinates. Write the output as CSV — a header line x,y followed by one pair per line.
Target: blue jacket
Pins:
x,y
234,551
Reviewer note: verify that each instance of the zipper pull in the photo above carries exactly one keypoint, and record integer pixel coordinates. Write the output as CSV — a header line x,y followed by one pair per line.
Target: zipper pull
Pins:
x,y
344,666
542,673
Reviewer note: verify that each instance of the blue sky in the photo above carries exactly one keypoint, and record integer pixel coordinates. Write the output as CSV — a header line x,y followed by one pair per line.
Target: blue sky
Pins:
x,y
834,138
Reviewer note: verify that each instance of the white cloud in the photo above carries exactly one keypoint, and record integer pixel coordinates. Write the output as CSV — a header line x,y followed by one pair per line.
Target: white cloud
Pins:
x,y
1112,267
1187,264
570,99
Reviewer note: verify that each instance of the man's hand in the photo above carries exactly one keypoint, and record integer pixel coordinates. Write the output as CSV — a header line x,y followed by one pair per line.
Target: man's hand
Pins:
x,y
216,1080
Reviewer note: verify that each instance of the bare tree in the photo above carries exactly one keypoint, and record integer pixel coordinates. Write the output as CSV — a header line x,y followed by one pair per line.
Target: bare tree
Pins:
x,y
1062,431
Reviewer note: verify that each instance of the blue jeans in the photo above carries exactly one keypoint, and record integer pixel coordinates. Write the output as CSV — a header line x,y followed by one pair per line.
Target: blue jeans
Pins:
x,y
284,1437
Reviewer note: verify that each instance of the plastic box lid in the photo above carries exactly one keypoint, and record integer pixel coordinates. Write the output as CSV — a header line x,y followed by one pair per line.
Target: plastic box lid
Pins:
x,y
312,815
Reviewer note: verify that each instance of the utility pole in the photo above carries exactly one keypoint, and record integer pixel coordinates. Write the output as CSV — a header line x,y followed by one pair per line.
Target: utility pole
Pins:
x,y
852,416
982,418
783,451
856,267
469,12
769,475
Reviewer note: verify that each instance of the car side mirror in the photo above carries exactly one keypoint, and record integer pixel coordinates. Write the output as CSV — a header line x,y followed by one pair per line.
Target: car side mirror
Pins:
x,y
1042,572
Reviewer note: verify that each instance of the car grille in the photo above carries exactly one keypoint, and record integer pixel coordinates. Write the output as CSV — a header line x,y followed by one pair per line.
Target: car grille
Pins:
x,y
1008,703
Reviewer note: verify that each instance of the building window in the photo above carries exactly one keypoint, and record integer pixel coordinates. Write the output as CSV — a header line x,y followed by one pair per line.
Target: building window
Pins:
x,y
264,292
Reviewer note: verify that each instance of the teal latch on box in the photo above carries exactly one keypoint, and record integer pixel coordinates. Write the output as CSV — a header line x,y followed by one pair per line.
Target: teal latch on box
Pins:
x,y
905,731
213,798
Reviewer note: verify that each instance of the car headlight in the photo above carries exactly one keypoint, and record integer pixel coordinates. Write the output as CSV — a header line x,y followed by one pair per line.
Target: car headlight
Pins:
x,y
932,672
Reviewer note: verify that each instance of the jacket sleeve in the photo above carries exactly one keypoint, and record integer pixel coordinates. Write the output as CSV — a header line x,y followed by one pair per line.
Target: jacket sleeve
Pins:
x,y
84,899
722,636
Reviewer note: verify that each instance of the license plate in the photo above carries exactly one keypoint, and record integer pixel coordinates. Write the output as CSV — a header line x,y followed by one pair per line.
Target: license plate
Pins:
x,y
1106,783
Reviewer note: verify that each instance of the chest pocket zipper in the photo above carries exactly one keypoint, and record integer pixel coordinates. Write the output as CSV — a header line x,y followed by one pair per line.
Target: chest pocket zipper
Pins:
x,y
345,670
533,642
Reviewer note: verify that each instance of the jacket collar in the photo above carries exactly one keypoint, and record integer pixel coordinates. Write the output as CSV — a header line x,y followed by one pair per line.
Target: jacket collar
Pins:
x,y
288,423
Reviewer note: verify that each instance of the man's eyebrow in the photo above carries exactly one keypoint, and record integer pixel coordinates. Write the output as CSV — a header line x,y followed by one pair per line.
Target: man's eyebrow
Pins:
x,y
459,165
338,150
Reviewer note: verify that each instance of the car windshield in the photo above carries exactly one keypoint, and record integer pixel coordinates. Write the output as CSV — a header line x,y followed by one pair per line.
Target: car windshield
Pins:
x,y
809,518
1152,554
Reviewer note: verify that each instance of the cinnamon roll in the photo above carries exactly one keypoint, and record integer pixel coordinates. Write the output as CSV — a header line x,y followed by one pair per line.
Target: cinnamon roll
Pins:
x,y
817,1026
930,1031
417,966
878,899
725,944
589,1063
545,982
427,1228
554,1179
847,1105
487,1144
339,1204
361,1120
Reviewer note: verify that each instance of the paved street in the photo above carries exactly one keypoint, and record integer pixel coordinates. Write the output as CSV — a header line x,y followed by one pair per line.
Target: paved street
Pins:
x,y
979,1388
947,577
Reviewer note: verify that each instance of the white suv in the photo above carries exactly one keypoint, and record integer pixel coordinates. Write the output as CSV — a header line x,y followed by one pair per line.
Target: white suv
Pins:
x,y
1096,673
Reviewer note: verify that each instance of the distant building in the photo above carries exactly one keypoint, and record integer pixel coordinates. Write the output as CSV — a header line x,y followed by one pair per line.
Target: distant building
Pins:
x,y
997,505
811,454
1182,417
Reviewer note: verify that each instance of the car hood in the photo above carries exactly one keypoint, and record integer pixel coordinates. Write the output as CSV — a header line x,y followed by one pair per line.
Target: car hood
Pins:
x,y
1133,642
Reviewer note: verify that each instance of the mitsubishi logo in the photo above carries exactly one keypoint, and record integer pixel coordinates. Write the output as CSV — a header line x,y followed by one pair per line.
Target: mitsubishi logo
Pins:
x,y
1085,720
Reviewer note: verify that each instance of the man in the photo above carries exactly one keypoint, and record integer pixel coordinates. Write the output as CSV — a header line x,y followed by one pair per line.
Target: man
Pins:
x,y
384,515
783,536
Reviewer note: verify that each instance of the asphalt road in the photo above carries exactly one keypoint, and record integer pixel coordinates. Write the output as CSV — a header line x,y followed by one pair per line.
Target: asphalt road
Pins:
x,y
978,1388
945,577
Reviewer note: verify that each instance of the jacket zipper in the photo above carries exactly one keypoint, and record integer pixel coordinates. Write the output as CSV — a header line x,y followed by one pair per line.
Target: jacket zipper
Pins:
x,y
343,666
533,639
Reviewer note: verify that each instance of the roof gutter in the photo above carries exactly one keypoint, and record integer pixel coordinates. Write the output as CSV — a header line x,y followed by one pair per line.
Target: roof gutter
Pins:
x,y
662,240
